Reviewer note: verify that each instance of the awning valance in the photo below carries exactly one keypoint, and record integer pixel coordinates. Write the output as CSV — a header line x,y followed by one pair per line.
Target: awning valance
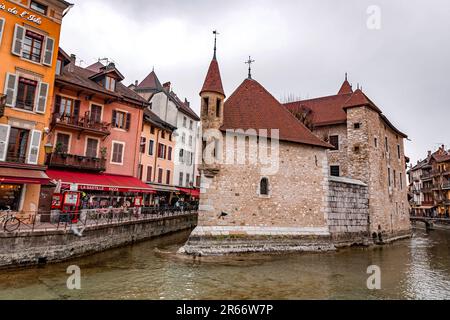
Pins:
x,y
23,176
100,181
192,192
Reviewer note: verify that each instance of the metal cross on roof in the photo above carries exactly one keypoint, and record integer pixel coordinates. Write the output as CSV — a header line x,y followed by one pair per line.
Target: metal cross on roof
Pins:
x,y
249,62
215,42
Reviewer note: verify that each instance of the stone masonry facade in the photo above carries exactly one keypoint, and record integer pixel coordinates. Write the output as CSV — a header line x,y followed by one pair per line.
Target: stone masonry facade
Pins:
x,y
370,151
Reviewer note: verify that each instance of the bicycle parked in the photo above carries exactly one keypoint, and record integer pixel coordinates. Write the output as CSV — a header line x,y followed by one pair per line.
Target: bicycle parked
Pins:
x,y
8,220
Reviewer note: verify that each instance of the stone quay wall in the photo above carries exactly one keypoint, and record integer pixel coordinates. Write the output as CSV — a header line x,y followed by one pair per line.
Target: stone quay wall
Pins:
x,y
348,219
39,247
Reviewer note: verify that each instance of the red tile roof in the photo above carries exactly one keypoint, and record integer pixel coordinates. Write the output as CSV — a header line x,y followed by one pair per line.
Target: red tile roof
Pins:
x,y
325,111
251,106
213,81
345,88
332,109
150,82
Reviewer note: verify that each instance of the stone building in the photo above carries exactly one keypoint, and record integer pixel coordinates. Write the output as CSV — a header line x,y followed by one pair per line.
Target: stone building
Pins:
x,y
367,147
244,206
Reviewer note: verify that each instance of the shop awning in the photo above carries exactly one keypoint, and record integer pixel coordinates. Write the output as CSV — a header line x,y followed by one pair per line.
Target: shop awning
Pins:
x,y
193,192
23,176
163,188
100,181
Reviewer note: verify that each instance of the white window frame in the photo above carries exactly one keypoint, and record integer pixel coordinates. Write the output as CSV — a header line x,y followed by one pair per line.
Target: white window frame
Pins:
x,y
86,143
2,29
112,151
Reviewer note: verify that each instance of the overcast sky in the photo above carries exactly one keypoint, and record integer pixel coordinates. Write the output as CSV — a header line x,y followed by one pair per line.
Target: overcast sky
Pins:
x,y
301,48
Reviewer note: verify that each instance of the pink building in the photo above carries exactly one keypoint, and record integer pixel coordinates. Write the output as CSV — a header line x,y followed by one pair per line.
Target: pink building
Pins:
x,y
95,133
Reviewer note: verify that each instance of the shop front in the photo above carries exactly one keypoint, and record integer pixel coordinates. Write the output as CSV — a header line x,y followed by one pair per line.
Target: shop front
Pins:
x,y
19,189
101,190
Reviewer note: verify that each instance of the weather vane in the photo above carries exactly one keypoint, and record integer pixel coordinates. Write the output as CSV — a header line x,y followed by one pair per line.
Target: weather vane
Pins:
x,y
215,42
249,62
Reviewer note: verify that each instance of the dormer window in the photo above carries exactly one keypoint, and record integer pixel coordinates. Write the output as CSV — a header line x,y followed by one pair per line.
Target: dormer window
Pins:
x,y
110,83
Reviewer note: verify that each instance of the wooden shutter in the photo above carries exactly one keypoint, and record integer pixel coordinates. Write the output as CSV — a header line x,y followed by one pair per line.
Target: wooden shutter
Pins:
x,y
114,118
76,109
17,44
42,97
149,174
2,27
127,126
4,139
10,89
57,104
35,143
48,53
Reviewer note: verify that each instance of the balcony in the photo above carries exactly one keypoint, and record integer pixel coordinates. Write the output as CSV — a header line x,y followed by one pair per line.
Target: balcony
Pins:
x,y
82,124
71,161
426,176
427,203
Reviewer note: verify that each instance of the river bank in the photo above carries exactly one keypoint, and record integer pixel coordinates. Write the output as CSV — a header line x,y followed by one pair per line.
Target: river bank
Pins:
x,y
415,268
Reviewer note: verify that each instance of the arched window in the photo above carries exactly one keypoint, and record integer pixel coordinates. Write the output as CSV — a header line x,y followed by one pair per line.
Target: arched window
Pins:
x,y
264,187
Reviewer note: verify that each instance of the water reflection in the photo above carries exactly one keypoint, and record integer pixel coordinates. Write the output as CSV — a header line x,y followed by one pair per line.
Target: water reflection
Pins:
x,y
417,268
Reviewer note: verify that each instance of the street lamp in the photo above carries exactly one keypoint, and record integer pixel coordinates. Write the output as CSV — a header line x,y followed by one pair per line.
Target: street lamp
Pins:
x,y
48,147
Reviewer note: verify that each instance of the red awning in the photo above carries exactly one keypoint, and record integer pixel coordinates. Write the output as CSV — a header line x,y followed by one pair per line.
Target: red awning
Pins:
x,y
100,181
193,192
23,176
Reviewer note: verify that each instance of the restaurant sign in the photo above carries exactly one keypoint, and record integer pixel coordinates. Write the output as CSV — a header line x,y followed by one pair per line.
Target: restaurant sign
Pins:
x,y
22,13
108,188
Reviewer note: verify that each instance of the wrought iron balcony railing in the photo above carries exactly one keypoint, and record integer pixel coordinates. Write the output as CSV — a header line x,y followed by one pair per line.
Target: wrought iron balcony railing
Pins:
x,y
65,160
81,124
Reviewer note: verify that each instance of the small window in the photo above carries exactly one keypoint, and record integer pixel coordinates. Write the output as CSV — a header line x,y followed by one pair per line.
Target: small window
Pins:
x,y
218,104
191,123
183,138
143,144
335,171
169,154
205,109
184,122
59,65
168,177
180,181
161,151
188,179
264,187
334,141
110,84
398,151
36,6
375,142
190,140
150,147
160,175
120,119
357,125
386,144
389,177
357,149
149,174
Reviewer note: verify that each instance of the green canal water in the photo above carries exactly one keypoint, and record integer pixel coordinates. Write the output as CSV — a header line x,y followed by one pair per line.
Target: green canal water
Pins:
x,y
416,268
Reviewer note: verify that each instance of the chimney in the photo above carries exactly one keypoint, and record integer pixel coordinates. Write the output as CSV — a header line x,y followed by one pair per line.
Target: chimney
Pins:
x,y
73,58
136,83
111,65
429,153
166,86
186,102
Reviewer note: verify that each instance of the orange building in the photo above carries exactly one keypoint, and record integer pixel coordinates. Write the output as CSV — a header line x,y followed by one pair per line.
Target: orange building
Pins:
x,y
29,38
157,157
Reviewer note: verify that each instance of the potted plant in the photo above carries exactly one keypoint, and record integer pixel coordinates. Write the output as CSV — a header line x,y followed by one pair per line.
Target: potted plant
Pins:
x,y
103,151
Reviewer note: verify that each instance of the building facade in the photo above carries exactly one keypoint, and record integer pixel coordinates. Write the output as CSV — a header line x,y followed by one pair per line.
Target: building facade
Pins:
x,y
167,106
95,133
157,157
29,38
367,147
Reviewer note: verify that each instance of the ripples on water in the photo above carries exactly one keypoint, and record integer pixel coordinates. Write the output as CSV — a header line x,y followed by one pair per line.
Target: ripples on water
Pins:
x,y
417,268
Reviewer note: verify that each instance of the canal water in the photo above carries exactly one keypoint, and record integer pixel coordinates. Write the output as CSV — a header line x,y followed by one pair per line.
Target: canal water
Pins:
x,y
416,268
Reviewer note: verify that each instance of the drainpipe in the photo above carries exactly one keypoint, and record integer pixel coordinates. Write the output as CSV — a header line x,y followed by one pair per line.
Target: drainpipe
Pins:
x,y
156,153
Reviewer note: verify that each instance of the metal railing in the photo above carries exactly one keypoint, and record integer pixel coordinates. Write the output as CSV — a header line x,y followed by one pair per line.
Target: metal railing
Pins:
x,y
57,220
66,160
85,122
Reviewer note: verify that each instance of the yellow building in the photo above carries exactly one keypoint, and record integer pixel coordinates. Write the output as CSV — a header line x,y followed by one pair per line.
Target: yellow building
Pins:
x,y
156,165
29,41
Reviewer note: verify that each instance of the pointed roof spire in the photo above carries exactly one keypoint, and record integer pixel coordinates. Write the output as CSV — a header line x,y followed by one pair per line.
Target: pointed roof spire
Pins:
x,y
150,82
346,87
213,80
215,43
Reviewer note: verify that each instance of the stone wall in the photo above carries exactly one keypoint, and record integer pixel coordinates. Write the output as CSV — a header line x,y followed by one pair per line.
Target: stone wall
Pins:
x,y
26,248
335,157
298,191
376,164
349,211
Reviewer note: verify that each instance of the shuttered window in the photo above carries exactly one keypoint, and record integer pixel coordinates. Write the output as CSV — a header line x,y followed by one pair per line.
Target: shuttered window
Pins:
x,y
10,89
168,177
2,27
33,154
48,53
62,142
117,153
150,147
19,35
41,104
91,148
160,175
32,46
149,174
4,138
26,94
